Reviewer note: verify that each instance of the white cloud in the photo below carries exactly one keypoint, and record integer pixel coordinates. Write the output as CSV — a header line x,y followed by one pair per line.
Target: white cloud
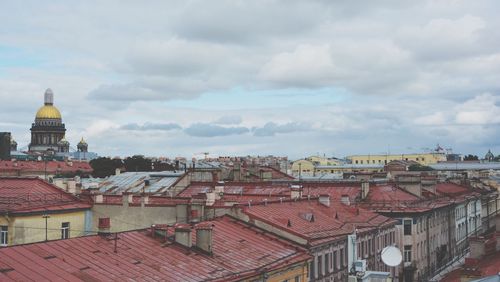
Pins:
x,y
480,110
409,74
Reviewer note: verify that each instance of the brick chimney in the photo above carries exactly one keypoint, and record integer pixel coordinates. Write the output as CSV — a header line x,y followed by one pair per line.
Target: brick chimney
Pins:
x,y
482,245
183,235
204,240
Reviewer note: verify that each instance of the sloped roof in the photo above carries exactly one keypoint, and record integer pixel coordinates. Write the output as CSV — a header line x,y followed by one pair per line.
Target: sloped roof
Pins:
x,y
32,194
316,222
51,167
239,252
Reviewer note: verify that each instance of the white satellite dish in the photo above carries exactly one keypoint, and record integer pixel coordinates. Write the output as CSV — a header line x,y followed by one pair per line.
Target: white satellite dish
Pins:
x,y
391,256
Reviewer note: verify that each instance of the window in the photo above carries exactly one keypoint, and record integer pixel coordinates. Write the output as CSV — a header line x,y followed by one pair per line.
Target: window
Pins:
x,y
335,266
407,227
297,278
342,259
407,253
311,270
327,263
320,264
4,235
65,230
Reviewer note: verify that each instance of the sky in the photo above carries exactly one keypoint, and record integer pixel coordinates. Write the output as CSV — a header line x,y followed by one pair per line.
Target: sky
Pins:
x,y
295,78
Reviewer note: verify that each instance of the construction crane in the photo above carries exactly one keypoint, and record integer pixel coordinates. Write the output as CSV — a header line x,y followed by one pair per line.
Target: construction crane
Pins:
x,y
201,153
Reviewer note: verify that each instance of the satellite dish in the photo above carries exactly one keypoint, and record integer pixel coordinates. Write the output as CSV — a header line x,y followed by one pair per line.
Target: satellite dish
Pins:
x,y
391,256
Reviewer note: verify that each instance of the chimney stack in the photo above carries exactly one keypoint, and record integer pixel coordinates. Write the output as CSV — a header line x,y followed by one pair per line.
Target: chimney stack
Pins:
x,y
98,198
324,200
183,235
127,199
204,238
296,191
219,190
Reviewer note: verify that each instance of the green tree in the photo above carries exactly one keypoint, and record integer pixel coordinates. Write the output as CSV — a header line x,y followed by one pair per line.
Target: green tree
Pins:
x,y
137,163
470,157
419,167
105,166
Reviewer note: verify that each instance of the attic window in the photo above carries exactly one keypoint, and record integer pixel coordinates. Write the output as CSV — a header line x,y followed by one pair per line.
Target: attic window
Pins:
x,y
309,216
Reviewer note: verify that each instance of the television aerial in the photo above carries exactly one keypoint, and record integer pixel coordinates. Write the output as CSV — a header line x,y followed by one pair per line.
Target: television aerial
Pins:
x,y
391,256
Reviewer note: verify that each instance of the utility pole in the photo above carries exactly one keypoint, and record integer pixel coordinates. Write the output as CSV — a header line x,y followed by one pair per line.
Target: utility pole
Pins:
x,y
46,216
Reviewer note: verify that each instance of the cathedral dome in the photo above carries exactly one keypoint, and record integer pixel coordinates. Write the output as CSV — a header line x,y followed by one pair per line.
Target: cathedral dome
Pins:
x,y
48,111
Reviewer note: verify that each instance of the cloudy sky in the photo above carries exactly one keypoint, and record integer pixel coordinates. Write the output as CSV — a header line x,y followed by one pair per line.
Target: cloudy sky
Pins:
x,y
296,78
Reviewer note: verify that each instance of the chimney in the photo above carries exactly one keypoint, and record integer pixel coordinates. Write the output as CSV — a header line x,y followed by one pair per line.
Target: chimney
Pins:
x,y
127,199
365,189
59,183
296,191
183,235
324,200
117,171
219,190
210,198
144,200
204,238
345,200
98,198
104,225
477,249
71,184
78,189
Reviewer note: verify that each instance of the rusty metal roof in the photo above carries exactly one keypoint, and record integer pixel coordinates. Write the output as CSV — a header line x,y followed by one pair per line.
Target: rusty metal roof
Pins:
x,y
239,251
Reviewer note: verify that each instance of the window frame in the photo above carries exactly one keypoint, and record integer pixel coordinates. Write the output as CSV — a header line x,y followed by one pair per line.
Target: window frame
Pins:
x,y
4,235
65,230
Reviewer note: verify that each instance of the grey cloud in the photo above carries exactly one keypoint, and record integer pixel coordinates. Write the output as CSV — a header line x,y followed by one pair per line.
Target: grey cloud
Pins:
x,y
234,119
211,130
271,128
150,126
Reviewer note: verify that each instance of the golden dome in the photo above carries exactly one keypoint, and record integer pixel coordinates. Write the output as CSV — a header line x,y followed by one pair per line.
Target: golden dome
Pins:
x,y
48,111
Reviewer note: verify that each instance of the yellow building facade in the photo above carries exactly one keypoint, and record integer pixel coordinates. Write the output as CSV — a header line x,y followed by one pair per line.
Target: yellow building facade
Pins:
x,y
32,210
33,228
423,159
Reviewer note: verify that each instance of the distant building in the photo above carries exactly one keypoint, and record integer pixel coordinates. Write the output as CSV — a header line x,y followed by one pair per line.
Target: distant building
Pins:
x,y
423,159
489,157
45,169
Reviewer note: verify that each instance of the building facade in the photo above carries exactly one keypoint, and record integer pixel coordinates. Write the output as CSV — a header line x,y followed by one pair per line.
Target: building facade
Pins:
x,y
32,210
423,159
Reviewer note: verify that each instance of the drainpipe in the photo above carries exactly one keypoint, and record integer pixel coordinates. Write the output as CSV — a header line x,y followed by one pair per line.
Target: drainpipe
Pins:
x,y
428,246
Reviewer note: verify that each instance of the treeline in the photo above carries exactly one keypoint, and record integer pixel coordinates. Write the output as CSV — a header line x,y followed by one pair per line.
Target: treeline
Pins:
x,y
103,167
